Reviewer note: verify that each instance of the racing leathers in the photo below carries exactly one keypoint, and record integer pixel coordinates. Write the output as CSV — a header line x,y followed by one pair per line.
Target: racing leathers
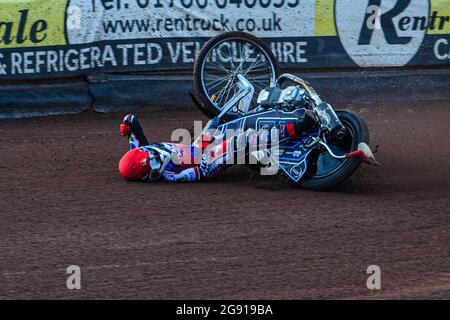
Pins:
x,y
208,155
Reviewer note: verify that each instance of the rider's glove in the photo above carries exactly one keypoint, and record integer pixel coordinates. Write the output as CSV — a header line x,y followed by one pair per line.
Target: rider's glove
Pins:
x,y
130,126
126,127
124,130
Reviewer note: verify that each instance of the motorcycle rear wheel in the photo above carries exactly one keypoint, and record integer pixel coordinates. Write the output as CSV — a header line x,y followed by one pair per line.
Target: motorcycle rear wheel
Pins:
x,y
215,81
326,172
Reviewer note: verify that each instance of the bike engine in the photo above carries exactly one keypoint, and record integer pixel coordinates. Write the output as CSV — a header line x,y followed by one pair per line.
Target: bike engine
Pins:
x,y
289,98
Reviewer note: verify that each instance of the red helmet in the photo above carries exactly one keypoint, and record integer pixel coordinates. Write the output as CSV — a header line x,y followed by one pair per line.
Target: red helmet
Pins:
x,y
135,165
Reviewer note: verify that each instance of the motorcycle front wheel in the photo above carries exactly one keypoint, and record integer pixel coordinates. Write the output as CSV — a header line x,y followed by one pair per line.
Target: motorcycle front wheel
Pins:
x,y
326,172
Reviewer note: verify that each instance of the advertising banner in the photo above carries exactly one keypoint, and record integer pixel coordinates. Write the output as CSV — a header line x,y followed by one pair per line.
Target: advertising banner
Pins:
x,y
64,38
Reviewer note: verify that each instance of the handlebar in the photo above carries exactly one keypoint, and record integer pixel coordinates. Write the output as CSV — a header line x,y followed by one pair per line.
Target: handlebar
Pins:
x,y
299,81
331,121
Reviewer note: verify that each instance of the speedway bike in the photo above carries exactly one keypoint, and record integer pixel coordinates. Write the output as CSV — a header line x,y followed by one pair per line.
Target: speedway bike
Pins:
x,y
236,85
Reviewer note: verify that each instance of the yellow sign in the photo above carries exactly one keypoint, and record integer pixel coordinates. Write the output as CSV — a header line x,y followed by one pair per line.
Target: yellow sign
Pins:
x,y
438,21
324,18
30,23
440,10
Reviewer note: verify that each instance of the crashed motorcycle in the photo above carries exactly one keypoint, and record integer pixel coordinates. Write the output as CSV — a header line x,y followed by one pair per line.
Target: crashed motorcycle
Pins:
x,y
236,86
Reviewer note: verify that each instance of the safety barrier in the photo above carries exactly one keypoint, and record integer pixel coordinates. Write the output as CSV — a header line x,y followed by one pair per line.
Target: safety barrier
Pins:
x,y
111,44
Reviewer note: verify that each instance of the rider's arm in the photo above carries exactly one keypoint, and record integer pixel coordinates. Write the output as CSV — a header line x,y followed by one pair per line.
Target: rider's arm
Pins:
x,y
131,128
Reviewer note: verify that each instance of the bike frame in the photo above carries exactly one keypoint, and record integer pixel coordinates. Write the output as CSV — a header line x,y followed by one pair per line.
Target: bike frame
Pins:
x,y
247,88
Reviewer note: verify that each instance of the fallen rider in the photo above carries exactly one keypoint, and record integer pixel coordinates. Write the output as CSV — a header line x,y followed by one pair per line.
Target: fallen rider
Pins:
x,y
176,162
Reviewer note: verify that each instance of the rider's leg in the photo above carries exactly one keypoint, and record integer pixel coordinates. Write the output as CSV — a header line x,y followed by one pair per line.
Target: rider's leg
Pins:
x,y
214,159
251,145
235,150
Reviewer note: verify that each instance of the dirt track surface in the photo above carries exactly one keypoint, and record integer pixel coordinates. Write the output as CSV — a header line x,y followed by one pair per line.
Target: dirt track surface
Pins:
x,y
239,236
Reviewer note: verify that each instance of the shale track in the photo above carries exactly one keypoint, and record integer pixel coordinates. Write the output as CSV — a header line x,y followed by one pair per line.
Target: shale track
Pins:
x,y
241,236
